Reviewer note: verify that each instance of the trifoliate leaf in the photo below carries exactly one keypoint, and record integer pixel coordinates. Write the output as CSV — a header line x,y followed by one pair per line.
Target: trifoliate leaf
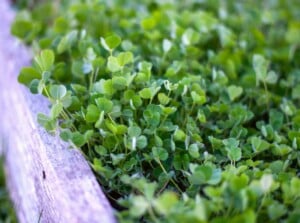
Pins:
x,y
111,42
104,104
260,66
56,109
160,153
28,74
113,64
234,92
125,58
57,92
92,114
134,131
146,93
164,203
45,60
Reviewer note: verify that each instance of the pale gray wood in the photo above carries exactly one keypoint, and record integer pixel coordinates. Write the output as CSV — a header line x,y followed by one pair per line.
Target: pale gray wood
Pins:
x,y
48,181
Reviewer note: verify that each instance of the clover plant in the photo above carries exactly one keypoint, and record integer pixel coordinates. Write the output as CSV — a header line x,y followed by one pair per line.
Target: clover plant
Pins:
x,y
187,111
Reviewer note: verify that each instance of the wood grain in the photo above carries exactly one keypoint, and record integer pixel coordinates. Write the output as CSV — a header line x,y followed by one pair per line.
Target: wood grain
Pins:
x,y
48,181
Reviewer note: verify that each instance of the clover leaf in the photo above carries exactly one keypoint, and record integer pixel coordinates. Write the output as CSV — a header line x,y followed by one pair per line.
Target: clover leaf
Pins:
x,y
234,92
45,60
110,42
28,74
57,92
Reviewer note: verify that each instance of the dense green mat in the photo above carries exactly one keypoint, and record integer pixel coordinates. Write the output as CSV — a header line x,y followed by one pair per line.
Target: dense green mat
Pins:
x,y
188,111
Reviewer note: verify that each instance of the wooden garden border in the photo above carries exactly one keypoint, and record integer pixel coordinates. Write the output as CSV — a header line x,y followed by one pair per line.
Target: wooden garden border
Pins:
x,y
48,181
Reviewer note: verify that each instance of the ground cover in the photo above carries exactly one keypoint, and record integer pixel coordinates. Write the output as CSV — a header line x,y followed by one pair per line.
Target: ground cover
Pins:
x,y
186,110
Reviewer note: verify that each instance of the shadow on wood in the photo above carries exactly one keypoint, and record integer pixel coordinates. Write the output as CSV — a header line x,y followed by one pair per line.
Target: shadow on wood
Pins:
x,y
48,181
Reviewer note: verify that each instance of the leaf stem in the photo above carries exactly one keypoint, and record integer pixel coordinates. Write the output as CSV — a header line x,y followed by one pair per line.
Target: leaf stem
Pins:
x,y
267,93
164,170
152,215
261,203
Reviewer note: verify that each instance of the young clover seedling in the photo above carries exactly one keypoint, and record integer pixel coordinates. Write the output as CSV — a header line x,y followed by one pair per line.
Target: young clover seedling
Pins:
x,y
110,43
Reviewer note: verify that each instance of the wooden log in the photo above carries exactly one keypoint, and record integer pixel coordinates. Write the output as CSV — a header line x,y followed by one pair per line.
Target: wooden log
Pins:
x,y
48,181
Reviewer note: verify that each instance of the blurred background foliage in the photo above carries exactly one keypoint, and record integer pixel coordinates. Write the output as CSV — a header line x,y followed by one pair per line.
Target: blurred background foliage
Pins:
x,y
7,214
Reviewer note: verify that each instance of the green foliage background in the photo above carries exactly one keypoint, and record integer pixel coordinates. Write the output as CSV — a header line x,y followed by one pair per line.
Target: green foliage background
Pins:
x,y
188,111
7,214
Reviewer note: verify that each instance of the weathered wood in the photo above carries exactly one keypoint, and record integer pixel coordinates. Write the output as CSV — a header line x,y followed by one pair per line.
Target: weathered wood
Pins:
x,y
48,181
